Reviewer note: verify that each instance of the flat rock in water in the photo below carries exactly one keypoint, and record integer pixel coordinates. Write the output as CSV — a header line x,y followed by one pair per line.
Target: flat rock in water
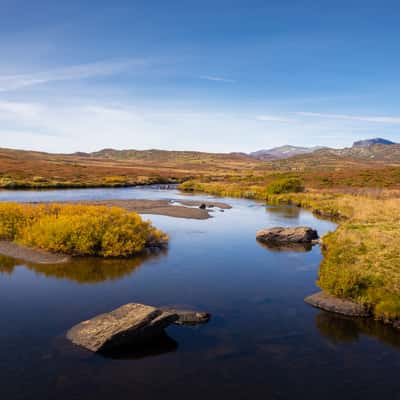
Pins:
x,y
130,323
299,234
340,306
188,317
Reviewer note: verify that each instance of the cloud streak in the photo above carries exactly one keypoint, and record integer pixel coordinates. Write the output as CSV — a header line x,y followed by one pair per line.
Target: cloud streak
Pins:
x,y
74,72
216,78
362,118
272,118
79,124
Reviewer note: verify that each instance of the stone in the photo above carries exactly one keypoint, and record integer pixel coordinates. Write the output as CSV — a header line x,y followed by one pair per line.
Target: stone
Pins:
x,y
128,323
188,317
334,304
277,235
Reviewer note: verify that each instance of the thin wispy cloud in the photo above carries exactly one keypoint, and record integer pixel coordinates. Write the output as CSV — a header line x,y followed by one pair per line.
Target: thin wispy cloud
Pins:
x,y
12,110
87,124
362,118
216,78
74,72
90,124
272,118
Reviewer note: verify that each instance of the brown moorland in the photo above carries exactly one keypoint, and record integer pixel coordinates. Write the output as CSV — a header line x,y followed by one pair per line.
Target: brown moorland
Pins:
x,y
323,169
29,169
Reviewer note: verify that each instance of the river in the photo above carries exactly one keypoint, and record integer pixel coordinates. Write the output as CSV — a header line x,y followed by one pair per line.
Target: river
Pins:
x,y
262,341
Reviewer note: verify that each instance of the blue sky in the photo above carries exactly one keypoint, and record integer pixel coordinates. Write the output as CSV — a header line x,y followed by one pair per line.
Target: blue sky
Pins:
x,y
205,75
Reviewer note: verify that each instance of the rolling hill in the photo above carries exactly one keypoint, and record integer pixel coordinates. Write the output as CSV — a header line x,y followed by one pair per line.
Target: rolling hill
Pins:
x,y
369,142
374,163
286,151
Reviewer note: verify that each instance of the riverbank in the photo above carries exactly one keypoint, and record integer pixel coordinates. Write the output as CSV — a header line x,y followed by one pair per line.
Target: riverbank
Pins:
x,y
30,255
189,209
361,261
108,182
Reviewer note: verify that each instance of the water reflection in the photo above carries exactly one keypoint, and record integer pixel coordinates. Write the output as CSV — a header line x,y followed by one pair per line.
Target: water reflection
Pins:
x,y
284,211
156,346
84,270
7,264
295,247
339,329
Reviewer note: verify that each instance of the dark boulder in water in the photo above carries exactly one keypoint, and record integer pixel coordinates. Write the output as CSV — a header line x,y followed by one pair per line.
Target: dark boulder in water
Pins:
x,y
279,235
188,317
334,304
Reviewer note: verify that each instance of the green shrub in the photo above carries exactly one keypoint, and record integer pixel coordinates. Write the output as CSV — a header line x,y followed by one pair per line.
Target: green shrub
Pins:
x,y
187,186
285,185
388,309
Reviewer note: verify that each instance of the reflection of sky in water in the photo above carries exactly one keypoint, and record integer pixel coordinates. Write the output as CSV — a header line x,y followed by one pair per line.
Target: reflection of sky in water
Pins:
x,y
144,192
262,341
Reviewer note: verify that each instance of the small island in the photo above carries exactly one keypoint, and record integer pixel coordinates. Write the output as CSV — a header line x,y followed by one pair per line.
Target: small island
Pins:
x,y
75,230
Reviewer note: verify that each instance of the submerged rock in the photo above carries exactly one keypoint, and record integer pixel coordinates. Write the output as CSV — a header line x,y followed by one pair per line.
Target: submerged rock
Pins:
x,y
278,235
129,324
334,304
188,317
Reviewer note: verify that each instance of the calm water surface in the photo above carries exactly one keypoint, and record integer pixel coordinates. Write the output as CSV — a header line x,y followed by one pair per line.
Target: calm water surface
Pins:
x,y
262,342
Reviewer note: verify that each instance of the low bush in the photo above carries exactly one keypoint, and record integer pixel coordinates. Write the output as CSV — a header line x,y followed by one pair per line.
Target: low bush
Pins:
x,y
79,230
285,185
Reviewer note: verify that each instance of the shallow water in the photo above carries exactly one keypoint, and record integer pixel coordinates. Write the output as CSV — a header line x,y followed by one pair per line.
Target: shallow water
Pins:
x,y
262,341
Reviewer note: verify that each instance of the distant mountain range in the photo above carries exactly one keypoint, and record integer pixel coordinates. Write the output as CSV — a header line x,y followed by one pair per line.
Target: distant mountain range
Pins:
x,y
282,152
288,151
375,149
22,167
362,149
370,142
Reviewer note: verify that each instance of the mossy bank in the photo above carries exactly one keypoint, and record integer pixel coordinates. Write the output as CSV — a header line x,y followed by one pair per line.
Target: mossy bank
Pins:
x,y
361,258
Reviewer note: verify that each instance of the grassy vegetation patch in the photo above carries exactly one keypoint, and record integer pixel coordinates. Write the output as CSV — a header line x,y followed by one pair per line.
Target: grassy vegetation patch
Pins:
x,y
79,230
361,258
285,185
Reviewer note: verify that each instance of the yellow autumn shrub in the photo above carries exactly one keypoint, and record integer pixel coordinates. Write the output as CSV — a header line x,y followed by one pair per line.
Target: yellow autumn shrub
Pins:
x,y
78,229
